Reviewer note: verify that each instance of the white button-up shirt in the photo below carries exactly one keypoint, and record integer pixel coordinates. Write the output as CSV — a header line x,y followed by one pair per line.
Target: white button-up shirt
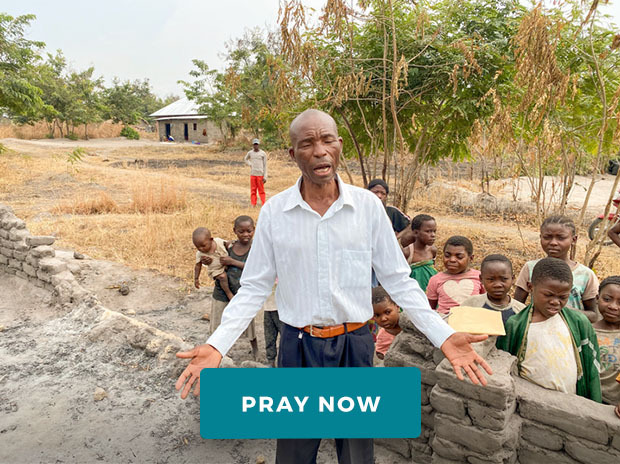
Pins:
x,y
323,265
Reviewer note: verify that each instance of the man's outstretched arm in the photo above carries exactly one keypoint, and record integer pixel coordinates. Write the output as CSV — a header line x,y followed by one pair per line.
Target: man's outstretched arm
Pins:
x,y
201,356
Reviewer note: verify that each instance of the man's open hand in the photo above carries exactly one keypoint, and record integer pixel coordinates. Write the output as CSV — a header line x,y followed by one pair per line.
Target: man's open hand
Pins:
x,y
202,356
461,355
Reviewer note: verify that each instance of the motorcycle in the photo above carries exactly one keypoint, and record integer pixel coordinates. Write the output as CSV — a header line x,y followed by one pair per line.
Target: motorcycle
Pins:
x,y
613,217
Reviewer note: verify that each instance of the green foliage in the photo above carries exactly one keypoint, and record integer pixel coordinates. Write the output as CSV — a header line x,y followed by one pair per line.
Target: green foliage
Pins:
x,y
72,136
74,158
130,133
18,95
3,149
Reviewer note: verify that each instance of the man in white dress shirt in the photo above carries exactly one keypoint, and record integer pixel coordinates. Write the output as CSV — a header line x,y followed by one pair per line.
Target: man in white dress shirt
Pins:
x,y
321,238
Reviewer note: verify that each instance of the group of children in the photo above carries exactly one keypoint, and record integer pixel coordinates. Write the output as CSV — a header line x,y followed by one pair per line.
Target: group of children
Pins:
x,y
566,339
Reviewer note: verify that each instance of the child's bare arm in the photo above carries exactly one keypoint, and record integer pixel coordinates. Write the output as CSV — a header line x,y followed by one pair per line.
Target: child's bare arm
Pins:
x,y
589,309
228,261
197,269
406,251
521,295
433,303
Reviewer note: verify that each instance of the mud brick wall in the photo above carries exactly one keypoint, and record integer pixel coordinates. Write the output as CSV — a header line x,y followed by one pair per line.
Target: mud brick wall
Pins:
x,y
34,259
510,420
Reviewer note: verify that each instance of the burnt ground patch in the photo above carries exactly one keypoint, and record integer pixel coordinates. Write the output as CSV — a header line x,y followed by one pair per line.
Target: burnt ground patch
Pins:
x,y
177,163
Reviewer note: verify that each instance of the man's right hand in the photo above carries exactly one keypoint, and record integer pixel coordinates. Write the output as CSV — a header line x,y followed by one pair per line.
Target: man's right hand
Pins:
x,y
202,356
197,283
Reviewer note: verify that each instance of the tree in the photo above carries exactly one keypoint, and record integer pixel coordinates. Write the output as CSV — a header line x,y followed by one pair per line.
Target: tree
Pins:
x,y
18,95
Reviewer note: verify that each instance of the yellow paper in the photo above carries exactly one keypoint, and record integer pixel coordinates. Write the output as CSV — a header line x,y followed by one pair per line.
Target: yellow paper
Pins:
x,y
476,320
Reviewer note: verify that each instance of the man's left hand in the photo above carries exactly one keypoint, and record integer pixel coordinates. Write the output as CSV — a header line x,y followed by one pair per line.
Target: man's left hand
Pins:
x,y
264,181
457,348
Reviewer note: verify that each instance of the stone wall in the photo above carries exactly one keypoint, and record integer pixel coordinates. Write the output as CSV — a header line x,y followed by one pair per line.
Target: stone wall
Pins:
x,y
177,130
34,259
510,420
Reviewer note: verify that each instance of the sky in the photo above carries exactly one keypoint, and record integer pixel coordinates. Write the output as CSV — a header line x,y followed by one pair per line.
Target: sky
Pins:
x,y
154,39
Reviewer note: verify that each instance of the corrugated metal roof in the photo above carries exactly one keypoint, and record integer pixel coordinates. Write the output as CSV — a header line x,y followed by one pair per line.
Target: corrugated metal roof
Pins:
x,y
181,107
168,118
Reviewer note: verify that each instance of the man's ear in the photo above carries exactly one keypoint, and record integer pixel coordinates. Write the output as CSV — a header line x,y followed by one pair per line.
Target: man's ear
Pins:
x,y
291,153
529,287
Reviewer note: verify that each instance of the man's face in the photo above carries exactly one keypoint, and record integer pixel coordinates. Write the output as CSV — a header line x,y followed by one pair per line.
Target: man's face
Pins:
x,y
316,148
255,146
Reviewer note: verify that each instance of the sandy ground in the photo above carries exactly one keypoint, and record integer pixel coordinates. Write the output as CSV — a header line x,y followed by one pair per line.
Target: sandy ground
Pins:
x,y
51,365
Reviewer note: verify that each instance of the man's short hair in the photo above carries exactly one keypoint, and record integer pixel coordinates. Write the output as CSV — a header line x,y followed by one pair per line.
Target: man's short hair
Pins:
x,y
379,294
242,219
552,268
497,258
459,240
417,221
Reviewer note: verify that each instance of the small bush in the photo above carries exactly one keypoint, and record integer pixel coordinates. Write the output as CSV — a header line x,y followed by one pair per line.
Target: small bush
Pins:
x,y
100,204
72,136
165,198
130,133
3,149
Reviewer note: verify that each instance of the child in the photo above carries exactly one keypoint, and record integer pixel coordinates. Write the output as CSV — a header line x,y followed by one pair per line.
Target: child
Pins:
x,y
422,252
387,314
557,236
555,346
208,253
457,283
497,278
236,255
608,335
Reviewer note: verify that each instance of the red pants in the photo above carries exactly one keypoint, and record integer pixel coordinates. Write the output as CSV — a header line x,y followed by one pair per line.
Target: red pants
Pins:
x,y
256,183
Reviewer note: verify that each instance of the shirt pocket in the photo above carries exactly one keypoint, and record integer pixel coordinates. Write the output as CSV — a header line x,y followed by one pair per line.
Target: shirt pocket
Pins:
x,y
354,269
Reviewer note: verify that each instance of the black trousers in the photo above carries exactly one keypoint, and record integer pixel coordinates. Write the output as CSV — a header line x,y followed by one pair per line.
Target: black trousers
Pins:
x,y
271,325
299,349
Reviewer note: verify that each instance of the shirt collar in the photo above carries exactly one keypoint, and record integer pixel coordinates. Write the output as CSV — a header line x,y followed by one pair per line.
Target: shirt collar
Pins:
x,y
344,197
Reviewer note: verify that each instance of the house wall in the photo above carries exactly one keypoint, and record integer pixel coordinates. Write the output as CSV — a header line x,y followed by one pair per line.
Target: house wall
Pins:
x,y
510,420
213,133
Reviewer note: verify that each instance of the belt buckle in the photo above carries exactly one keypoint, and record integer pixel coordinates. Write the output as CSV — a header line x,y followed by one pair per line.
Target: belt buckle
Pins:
x,y
312,331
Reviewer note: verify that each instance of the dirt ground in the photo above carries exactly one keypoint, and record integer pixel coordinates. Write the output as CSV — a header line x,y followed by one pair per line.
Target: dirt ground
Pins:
x,y
51,365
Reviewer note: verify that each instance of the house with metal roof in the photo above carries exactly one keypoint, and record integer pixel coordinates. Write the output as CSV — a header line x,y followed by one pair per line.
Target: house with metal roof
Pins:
x,y
182,121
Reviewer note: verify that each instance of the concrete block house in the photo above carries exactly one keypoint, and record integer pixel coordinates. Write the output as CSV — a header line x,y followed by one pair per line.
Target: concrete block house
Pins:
x,y
184,123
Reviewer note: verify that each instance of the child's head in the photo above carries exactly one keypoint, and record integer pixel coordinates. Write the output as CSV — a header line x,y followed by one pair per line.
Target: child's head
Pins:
x,y
386,311
609,299
497,276
244,229
424,229
551,284
202,239
557,235
457,253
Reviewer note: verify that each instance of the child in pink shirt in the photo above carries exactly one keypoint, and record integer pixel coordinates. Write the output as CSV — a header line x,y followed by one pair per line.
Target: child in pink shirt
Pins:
x,y
451,287
386,315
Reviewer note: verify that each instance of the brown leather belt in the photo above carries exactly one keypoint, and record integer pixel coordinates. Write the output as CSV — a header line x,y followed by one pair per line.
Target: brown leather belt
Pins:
x,y
332,330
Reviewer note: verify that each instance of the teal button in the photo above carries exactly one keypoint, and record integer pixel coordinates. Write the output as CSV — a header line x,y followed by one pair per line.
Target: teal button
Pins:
x,y
310,403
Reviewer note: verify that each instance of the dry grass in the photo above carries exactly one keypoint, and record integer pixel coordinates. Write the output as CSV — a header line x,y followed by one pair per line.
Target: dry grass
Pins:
x,y
146,216
39,130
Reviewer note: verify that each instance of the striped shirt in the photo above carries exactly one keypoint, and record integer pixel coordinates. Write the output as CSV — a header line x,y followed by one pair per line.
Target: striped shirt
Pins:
x,y
323,265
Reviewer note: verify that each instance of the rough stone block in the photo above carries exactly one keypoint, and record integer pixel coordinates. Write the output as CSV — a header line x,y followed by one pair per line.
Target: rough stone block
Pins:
x,y
63,278
394,358
447,402
19,255
6,252
17,235
4,234
500,390
9,270
32,261
52,265
428,416
43,251
4,260
412,343
588,452
15,264
31,271
44,276
6,243
11,222
38,240
437,459
420,452
615,442
21,246
479,440
530,454
424,394
5,211
21,274
39,283
541,435
580,417
397,445
490,418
